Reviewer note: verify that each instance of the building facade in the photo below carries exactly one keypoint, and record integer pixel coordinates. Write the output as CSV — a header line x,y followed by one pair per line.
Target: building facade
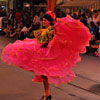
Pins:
x,y
6,3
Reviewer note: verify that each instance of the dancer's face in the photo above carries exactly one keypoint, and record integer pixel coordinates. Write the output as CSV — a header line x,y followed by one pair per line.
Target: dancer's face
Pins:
x,y
46,23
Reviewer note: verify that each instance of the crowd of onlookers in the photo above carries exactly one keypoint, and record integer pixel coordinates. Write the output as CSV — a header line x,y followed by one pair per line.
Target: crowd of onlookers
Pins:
x,y
21,24
18,24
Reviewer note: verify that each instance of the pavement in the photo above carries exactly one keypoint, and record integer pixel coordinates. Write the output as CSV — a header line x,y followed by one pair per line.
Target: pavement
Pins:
x,y
16,84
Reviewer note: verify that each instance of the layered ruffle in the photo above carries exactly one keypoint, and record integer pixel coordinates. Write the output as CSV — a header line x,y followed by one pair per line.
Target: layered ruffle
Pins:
x,y
57,59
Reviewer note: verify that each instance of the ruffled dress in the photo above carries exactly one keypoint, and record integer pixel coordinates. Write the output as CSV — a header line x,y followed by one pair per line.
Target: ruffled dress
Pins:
x,y
52,53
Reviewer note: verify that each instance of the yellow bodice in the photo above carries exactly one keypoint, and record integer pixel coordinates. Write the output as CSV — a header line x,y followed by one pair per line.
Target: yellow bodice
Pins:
x,y
44,35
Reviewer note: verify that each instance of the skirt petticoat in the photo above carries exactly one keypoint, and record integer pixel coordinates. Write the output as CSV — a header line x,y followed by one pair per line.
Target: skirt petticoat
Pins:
x,y
57,59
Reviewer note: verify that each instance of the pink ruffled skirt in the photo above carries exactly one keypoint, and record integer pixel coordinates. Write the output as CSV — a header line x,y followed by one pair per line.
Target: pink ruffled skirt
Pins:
x,y
57,59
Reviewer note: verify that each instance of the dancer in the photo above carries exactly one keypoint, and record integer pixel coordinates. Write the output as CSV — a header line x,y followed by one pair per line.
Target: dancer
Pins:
x,y
53,53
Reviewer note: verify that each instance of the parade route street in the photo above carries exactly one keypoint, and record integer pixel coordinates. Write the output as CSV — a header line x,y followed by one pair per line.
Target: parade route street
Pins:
x,y
16,84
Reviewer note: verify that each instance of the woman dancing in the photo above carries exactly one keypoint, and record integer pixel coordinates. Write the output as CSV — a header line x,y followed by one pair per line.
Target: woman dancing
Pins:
x,y
53,52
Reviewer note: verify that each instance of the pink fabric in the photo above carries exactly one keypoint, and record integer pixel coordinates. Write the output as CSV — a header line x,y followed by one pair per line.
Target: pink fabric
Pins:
x,y
55,61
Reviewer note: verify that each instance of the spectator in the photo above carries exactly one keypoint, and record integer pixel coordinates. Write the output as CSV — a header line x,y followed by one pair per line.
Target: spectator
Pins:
x,y
17,32
18,17
36,21
83,19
